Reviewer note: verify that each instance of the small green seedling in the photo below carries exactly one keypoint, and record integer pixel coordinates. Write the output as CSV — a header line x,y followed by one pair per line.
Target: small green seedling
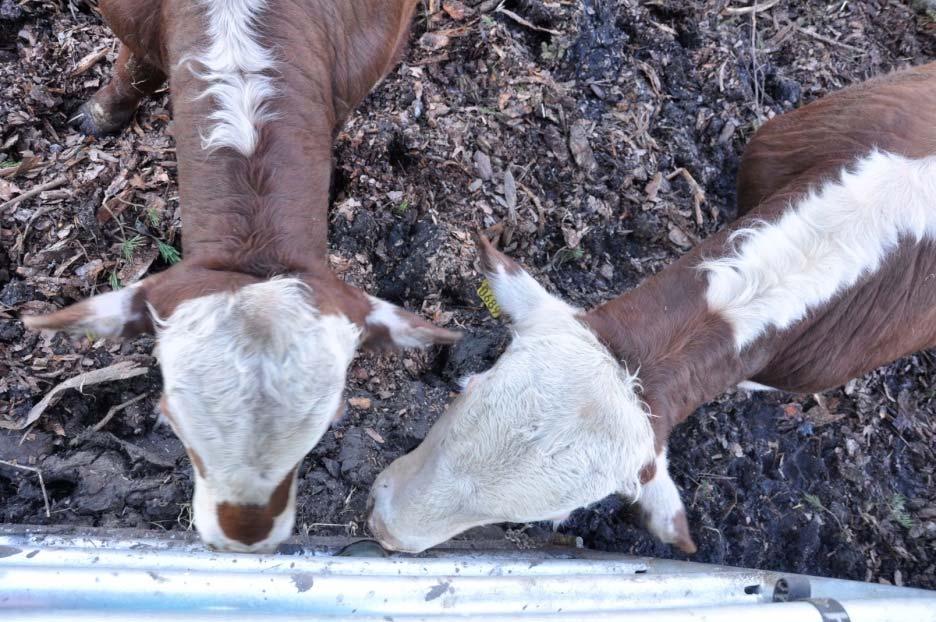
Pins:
x,y
169,253
129,247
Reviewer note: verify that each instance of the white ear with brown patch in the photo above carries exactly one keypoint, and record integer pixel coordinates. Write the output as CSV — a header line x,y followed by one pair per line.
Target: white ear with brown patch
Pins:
x,y
517,293
120,313
388,325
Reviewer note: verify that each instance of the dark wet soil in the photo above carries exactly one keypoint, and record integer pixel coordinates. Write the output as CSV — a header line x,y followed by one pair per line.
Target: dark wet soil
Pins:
x,y
592,110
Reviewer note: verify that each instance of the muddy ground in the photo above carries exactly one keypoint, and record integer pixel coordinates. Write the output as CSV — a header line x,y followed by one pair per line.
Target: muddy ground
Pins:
x,y
593,108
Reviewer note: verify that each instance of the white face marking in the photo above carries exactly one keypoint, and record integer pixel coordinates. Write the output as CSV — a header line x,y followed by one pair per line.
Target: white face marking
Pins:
x,y
555,425
252,380
822,245
237,68
660,503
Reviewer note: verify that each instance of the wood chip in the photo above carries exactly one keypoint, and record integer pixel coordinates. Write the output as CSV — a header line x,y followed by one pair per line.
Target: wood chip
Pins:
x,y
89,61
579,146
483,165
361,403
455,9
118,371
374,435
433,41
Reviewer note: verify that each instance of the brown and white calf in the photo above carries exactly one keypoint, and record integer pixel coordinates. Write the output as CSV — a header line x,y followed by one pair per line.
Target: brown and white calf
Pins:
x,y
830,272
255,333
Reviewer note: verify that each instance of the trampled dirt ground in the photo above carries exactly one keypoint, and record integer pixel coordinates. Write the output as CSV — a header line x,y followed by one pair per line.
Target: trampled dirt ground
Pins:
x,y
593,108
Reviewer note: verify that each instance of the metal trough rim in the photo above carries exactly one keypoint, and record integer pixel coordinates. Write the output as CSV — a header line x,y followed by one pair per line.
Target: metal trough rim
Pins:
x,y
62,573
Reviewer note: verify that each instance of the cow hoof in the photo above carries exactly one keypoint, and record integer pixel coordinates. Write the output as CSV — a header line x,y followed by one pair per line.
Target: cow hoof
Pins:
x,y
92,119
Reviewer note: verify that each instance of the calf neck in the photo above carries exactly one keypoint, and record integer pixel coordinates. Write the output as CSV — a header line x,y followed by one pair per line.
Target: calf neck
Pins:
x,y
255,333
829,272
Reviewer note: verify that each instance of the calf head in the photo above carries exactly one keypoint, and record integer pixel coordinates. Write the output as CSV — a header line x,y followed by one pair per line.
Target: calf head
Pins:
x,y
554,425
253,374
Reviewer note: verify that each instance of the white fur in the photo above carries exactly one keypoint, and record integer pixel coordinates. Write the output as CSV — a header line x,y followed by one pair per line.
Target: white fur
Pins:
x,y
749,385
109,313
555,425
660,502
523,298
238,69
823,245
404,333
252,379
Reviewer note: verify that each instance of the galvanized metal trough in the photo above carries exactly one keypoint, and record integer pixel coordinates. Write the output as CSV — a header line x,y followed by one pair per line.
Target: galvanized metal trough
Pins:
x,y
58,574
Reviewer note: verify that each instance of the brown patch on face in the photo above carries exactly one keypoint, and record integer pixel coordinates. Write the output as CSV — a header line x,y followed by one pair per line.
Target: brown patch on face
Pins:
x,y
647,473
249,524
280,496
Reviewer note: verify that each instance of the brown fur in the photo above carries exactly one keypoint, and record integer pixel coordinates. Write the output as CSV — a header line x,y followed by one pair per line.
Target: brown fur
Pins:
x,y
686,354
250,524
491,258
251,218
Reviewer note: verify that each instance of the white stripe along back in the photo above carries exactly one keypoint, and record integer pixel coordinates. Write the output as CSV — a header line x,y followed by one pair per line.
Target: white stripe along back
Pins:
x,y
238,69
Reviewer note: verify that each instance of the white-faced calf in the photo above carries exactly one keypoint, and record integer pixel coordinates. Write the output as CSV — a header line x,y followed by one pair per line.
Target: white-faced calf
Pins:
x,y
830,272
255,333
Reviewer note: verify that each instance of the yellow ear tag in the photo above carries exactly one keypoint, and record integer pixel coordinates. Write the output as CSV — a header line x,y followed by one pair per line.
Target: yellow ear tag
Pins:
x,y
487,297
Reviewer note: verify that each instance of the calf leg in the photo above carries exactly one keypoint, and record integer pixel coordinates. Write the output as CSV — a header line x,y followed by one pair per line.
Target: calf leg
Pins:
x,y
663,512
111,108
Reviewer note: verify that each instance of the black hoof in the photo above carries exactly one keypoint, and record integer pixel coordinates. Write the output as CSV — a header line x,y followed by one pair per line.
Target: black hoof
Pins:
x,y
92,120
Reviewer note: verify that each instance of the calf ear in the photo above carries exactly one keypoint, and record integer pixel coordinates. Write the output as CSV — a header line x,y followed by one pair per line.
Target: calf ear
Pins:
x,y
388,325
518,294
120,313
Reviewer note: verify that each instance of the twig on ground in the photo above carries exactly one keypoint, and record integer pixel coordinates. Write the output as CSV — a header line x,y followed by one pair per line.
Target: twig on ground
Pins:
x,y
45,496
524,22
118,371
540,212
754,8
815,35
49,185
114,410
698,194
755,69
17,249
